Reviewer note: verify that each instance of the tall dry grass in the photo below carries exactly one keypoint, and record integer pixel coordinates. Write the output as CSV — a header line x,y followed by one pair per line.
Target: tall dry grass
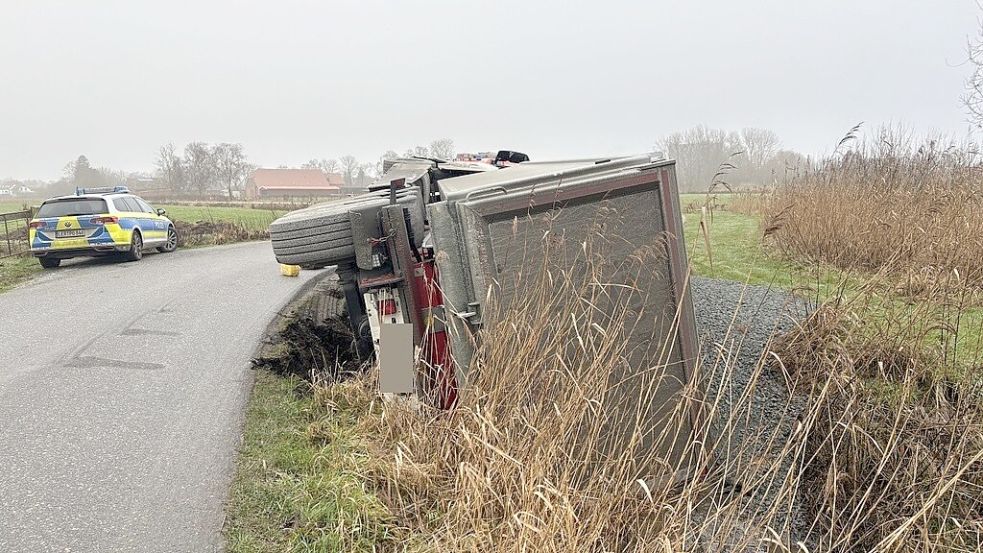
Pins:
x,y
877,444
522,465
536,456
876,450
890,200
896,445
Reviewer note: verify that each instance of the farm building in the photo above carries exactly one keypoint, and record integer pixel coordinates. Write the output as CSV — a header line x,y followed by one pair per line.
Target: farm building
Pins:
x,y
292,183
15,189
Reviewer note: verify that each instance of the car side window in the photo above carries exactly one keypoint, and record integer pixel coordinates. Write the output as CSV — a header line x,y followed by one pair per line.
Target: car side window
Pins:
x,y
144,206
132,205
121,205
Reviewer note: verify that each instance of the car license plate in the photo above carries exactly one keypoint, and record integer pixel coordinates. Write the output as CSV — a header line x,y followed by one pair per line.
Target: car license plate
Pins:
x,y
69,233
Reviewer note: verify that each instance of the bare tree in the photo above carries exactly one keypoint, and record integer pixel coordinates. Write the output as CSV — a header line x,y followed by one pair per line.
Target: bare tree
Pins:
x,y
759,146
421,151
699,153
169,168
366,174
442,148
784,166
112,177
231,167
327,166
349,168
380,166
199,166
973,98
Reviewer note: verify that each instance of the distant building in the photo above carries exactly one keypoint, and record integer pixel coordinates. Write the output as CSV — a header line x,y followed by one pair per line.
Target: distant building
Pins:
x,y
292,183
15,189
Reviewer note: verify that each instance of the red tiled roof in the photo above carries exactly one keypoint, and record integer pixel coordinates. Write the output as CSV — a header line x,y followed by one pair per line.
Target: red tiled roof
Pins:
x,y
307,179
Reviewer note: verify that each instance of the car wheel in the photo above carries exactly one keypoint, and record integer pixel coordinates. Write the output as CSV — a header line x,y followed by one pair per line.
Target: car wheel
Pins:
x,y
136,248
49,262
171,243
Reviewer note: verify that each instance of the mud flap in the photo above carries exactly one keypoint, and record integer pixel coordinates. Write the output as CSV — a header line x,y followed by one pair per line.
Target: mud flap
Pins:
x,y
396,356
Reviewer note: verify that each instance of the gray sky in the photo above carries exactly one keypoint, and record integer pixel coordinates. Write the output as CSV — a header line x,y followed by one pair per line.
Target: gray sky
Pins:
x,y
296,79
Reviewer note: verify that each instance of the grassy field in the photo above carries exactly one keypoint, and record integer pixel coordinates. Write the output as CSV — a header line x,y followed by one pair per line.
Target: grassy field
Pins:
x,y
252,219
7,206
15,270
733,248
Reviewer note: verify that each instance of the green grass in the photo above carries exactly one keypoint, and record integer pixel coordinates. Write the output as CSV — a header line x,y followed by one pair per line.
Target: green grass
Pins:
x,y
252,219
8,206
17,269
735,250
297,484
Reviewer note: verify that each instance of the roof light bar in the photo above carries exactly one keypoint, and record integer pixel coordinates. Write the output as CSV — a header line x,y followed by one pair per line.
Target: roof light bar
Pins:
x,y
102,190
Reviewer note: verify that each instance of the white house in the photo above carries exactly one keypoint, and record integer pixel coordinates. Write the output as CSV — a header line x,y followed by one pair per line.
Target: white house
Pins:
x,y
15,189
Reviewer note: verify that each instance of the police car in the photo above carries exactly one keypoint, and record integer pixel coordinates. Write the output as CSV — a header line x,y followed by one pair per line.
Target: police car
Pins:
x,y
96,222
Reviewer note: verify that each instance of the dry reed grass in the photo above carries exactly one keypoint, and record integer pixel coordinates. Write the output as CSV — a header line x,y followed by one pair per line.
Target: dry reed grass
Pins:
x,y
896,443
522,464
891,201
885,456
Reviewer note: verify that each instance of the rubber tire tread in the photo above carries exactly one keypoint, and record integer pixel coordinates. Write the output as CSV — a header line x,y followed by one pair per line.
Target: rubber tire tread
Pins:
x,y
321,235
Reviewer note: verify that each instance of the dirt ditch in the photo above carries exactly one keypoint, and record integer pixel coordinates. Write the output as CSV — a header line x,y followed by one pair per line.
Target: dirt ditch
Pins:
x,y
312,338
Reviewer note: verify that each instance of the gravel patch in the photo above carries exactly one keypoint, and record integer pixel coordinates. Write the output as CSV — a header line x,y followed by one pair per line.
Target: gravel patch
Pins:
x,y
741,321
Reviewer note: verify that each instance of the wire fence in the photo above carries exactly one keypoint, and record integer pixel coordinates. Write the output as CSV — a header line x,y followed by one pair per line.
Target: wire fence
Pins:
x,y
14,233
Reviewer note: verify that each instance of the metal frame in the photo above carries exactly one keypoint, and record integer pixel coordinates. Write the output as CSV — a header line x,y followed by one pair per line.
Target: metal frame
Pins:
x,y
6,219
461,236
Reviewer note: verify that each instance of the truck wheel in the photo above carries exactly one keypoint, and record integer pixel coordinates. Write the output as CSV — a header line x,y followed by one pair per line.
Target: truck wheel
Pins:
x,y
323,238
322,234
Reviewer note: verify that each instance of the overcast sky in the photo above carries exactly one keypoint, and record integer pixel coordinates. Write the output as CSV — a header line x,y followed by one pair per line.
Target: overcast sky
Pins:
x,y
295,79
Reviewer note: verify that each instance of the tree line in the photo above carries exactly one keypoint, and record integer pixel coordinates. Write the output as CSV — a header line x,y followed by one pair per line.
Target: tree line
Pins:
x,y
360,173
712,158
706,158
203,167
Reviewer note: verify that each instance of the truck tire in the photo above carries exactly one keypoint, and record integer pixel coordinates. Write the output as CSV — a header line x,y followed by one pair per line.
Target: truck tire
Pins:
x,y
321,235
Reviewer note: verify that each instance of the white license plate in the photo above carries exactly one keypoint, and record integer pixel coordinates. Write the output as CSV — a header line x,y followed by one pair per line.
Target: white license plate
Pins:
x,y
69,233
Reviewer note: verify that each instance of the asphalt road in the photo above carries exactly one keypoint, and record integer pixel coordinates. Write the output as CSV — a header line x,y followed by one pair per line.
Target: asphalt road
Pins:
x,y
122,392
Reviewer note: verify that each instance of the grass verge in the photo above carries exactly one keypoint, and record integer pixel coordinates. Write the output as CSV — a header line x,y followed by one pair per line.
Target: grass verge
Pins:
x,y
298,484
17,269
250,219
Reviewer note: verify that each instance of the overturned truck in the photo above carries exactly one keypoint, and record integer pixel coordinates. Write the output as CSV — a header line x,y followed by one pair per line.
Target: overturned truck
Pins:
x,y
425,256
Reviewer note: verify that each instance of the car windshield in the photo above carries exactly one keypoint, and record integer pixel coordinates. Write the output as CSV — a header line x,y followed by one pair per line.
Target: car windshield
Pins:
x,y
67,208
